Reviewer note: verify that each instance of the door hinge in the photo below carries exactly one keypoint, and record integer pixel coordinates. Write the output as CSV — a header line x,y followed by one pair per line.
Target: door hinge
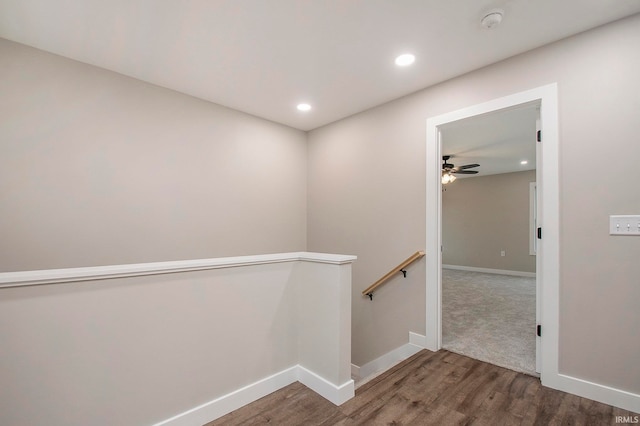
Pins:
x,y
539,330
539,233
539,135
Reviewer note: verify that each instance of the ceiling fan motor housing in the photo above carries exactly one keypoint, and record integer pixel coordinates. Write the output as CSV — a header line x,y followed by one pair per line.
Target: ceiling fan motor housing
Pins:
x,y
451,168
446,165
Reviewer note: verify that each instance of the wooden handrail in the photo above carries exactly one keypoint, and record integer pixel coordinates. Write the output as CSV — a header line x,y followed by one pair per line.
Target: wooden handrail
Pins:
x,y
400,268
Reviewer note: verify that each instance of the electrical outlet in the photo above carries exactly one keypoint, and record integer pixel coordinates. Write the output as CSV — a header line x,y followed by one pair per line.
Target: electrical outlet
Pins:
x,y
503,253
624,224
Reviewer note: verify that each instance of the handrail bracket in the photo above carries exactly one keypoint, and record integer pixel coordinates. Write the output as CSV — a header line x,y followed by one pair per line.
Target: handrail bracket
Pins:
x,y
400,268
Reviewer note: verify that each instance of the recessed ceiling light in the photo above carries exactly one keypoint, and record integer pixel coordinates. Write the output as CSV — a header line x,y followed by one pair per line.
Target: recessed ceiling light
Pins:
x,y
404,60
304,107
523,162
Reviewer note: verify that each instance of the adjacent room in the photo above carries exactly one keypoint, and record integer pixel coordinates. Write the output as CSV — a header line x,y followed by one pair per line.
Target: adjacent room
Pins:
x,y
488,234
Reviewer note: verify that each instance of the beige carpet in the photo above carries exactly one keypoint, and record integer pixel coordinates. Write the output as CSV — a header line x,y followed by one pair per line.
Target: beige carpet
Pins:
x,y
490,317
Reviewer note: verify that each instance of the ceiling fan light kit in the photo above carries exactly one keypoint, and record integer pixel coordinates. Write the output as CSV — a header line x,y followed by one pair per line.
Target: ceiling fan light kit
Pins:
x,y
449,170
448,178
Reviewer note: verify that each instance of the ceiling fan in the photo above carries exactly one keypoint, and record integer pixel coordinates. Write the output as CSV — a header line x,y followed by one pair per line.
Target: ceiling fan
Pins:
x,y
449,170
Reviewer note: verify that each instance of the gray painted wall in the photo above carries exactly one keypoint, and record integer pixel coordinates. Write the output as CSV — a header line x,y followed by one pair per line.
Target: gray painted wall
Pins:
x,y
367,197
481,216
97,169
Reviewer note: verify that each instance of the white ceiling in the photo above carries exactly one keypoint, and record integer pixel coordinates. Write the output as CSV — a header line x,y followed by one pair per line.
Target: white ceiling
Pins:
x,y
498,141
266,56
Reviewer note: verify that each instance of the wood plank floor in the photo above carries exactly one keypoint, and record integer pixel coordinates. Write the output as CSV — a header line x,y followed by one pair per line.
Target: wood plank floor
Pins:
x,y
431,388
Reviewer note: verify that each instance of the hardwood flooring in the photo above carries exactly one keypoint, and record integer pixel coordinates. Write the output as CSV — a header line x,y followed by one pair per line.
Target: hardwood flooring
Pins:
x,y
431,388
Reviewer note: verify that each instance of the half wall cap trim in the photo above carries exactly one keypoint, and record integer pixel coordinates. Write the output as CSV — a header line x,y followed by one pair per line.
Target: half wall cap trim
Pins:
x,y
53,276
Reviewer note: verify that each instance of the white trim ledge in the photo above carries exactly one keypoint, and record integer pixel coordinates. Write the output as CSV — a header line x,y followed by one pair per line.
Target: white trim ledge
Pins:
x,y
56,276
490,271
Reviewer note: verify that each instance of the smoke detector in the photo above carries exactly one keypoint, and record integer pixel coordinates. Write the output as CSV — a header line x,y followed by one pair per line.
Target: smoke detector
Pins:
x,y
492,18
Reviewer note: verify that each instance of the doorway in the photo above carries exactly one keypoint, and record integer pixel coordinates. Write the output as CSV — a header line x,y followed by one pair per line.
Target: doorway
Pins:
x,y
547,259
488,267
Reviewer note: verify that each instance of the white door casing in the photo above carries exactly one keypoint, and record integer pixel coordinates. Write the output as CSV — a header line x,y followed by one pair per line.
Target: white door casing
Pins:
x,y
547,262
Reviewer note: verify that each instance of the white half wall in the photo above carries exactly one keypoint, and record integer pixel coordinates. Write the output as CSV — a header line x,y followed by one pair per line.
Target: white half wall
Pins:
x,y
167,347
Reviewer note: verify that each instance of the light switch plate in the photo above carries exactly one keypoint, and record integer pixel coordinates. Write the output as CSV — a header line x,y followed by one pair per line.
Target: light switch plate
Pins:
x,y
624,224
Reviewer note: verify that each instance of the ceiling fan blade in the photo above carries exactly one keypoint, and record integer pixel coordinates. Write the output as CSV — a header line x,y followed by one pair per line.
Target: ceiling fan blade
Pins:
x,y
465,172
468,166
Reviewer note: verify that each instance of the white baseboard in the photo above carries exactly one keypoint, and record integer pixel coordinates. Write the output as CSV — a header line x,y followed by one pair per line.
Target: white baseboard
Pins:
x,y
355,371
232,401
490,271
601,393
388,360
339,394
239,398
418,340
336,394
